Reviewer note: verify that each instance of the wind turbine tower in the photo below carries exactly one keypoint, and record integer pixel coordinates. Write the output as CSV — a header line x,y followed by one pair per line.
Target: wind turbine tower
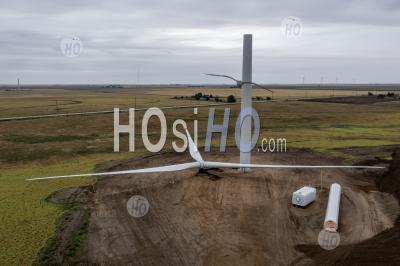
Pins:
x,y
246,92
246,85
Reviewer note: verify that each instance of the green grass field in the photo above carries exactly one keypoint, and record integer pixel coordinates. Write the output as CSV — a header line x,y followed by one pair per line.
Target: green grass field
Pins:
x,y
52,146
27,219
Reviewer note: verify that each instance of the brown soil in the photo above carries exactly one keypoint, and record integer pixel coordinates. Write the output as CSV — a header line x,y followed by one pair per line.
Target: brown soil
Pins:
x,y
355,99
62,248
363,151
237,219
382,249
390,181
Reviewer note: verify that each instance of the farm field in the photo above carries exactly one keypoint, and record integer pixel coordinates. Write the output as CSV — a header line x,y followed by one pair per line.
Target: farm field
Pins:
x,y
67,145
63,100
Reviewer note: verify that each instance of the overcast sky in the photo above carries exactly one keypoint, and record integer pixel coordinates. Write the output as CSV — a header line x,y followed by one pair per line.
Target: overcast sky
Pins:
x,y
174,41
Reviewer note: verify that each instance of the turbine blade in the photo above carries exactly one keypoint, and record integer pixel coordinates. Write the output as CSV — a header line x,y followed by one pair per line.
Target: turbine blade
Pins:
x,y
262,87
167,168
223,76
240,165
193,150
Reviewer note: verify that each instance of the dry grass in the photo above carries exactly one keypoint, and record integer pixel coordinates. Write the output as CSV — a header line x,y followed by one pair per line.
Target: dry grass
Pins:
x,y
45,101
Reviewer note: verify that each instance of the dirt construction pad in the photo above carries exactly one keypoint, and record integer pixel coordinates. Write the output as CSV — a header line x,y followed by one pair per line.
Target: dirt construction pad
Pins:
x,y
236,219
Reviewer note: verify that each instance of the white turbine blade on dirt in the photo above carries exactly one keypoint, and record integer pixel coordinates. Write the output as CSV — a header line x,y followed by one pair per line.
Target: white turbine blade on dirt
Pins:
x,y
193,150
167,168
208,164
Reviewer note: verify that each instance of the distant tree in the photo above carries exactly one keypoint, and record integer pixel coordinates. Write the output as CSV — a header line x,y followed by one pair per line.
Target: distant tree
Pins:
x,y
231,99
370,94
268,98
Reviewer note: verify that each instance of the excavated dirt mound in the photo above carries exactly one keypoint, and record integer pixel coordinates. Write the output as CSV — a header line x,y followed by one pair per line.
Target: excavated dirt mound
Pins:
x,y
235,219
382,249
390,181
61,249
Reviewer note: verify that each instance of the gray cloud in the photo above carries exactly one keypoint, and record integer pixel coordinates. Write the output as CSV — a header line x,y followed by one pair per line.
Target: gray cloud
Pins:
x,y
176,41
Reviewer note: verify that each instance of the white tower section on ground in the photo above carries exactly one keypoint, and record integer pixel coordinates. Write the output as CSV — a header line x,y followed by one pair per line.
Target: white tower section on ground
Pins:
x,y
245,133
331,222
